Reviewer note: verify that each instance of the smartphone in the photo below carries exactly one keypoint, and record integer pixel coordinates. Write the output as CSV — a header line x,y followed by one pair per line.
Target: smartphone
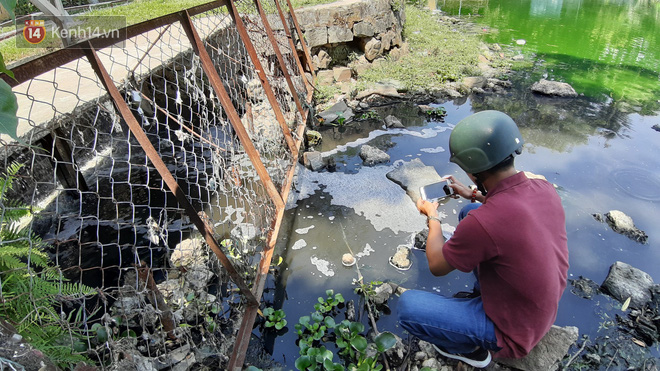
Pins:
x,y
436,191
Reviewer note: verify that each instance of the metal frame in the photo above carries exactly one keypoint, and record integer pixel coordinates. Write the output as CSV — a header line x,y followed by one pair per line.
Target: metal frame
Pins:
x,y
88,49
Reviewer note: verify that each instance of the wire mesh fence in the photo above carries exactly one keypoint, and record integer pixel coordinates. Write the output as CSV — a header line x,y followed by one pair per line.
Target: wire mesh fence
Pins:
x,y
136,218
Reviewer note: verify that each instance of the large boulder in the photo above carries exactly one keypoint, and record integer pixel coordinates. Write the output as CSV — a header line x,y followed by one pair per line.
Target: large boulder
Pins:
x,y
372,155
625,281
555,88
548,353
412,175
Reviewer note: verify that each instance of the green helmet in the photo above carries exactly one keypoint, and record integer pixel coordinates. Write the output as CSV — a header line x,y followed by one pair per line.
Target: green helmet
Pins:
x,y
483,140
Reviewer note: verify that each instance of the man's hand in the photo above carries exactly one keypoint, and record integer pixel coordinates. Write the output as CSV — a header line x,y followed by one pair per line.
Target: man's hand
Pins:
x,y
459,188
427,208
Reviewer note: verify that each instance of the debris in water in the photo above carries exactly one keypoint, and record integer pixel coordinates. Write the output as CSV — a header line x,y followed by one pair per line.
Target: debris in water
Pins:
x,y
400,259
299,244
323,266
348,260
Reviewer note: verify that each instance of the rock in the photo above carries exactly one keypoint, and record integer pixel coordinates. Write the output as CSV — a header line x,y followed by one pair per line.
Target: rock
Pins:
x,y
372,155
316,36
339,34
372,49
325,77
413,175
363,29
656,127
313,160
625,281
420,240
431,363
518,57
623,224
189,253
396,84
400,259
392,122
475,82
342,74
555,88
244,231
397,353
339,110
382,293
380,89
313,137
324,59
584,287
548,353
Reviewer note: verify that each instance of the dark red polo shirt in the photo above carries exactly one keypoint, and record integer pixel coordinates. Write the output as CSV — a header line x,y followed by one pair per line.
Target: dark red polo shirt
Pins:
x,y
517,242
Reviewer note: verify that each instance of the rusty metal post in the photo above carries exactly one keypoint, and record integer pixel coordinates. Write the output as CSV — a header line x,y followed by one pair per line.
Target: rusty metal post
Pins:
x,y
221,93
285,24
302,39
268,89
165,174
278,54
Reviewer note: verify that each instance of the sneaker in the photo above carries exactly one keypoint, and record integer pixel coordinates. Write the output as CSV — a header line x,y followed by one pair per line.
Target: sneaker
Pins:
x,y
467,294
480,358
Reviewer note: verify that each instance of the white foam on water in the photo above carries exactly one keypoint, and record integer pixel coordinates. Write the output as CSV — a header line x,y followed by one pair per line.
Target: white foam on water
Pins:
x,y
299,244
323,266
432,150
365,252
304,230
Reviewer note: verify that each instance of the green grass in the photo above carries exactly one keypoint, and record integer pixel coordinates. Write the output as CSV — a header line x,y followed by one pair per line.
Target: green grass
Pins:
x,y
303,3
438,53
141,10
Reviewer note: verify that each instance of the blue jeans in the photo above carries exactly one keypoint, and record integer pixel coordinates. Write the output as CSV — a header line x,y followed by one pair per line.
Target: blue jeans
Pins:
x,y
455,325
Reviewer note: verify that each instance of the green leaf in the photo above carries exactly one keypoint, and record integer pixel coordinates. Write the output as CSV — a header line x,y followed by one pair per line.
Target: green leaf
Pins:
x,y
330,322
8,109
9,6
304,320
303,362
329,292
318,317
4,69
268,311
252,368
359,343
385,341
281,324
356,327
339,297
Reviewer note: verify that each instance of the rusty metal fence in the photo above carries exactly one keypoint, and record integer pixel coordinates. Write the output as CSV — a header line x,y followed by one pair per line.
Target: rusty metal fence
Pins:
x,y
157,175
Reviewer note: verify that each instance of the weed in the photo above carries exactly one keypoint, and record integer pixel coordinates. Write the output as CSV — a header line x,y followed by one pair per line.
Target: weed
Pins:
x,y
275,318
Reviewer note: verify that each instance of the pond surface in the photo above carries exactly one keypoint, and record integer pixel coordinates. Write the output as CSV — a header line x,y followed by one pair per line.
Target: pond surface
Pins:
x,y
602,154
603,48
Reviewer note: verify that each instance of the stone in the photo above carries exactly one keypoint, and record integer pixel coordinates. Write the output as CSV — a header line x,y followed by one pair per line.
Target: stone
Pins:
x,y
339,34
548,353
363,29
316,36
313,160
361,68
188,253
475,82
518,57
584,287
401,258
392,122
324,59
553,88
625,281
372,49
379,89
656,127
326,77
313,137
342,74
623,224
382,293
336,111
371,155
412,175
244,231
